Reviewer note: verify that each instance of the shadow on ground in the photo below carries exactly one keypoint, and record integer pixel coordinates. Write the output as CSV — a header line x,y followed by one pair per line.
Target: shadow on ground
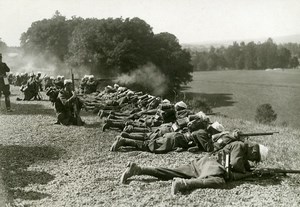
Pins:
x,y
214,100
14,161
29,108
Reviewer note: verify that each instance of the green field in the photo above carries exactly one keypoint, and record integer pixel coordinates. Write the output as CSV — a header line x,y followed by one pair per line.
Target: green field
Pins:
x,y
238,93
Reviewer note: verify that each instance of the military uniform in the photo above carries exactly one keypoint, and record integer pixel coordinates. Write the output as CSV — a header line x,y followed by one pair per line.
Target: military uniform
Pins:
x,y
204,172
64,106
4,84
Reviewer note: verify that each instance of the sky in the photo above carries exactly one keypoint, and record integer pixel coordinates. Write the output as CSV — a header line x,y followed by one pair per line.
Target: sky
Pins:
x,y
191,21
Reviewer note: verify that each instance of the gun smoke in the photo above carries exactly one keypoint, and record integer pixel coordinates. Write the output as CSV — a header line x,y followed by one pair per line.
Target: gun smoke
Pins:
x,y
47,65
148,77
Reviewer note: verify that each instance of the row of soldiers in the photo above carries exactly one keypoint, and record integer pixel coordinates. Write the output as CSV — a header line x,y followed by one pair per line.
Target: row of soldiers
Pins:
x,y
31,84
149,123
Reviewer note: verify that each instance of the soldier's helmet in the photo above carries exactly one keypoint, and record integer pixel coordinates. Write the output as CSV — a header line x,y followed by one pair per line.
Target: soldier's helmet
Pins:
x,y
67,81
217,126
91,77
180,104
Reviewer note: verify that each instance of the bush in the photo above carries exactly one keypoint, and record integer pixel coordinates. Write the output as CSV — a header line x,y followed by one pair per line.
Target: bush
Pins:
x,y
265,114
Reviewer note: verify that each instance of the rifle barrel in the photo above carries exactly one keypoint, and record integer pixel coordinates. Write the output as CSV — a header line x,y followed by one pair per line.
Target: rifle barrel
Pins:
x,y
257,134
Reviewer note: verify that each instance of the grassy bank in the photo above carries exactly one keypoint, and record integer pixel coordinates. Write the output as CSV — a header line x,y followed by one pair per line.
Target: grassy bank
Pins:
x,y
237,94
51,165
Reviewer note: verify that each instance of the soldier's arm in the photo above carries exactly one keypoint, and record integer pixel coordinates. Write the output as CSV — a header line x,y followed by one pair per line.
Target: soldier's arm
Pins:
x,y
64,100
6,68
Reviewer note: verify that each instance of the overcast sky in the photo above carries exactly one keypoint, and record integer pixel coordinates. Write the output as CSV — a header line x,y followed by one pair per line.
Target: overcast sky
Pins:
x,y
190,20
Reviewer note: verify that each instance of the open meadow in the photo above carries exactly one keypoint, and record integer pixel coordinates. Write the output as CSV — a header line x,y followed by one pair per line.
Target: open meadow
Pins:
x,y
237,94
43,164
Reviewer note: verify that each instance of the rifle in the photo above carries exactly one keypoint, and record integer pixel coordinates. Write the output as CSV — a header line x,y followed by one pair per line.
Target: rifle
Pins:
x,y
256,134
76,113
265,172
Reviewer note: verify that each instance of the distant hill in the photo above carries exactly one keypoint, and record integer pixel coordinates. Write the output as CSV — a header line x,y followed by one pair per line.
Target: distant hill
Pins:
x,y
203,46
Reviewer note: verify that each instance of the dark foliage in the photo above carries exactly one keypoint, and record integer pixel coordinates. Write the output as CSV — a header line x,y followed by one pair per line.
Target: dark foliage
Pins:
x,y
248,56
109,47
265,114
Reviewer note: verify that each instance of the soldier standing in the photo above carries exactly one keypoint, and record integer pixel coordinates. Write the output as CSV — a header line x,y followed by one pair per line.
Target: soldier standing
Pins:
x,y
4,84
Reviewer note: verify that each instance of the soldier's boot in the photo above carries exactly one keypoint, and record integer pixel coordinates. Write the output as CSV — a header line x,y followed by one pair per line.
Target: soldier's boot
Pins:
x,y
140,130
114,117
117,144
132,169
120,141
180,184
109,123
118,125
7,103
135,136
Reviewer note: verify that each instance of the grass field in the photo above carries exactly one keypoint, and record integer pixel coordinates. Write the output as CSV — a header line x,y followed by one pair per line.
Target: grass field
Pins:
x,y
43,164
238,93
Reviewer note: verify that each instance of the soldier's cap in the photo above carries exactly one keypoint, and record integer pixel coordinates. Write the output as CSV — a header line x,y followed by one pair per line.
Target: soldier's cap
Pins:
x,y
91,77
166,101
122,89
67,81
39,73
86,76
130,92
217,126
109,87
116,86
263,152
201,115
181,104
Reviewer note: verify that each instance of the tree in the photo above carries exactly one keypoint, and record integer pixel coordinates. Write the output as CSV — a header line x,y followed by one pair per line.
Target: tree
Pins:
x,y
283,57
109,47
173,61
294,62
49,37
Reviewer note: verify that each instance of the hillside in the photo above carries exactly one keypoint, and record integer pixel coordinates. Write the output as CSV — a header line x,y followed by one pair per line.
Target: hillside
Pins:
x,y
51,165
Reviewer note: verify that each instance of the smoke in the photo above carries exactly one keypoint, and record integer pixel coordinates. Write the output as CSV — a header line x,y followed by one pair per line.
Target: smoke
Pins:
x,y
148,77
46,64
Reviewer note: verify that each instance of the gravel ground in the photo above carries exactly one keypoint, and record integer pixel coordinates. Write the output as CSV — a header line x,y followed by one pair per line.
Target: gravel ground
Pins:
x,y
51,165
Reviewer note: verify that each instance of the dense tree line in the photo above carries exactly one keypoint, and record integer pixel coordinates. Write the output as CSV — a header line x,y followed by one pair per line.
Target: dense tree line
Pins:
x,y
109,46
247,56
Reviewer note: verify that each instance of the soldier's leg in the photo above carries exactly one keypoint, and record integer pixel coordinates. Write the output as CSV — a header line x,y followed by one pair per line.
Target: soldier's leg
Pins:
x,y
135,136
113,124
180,184
134,129
184,171
120,141
6,94
63,118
